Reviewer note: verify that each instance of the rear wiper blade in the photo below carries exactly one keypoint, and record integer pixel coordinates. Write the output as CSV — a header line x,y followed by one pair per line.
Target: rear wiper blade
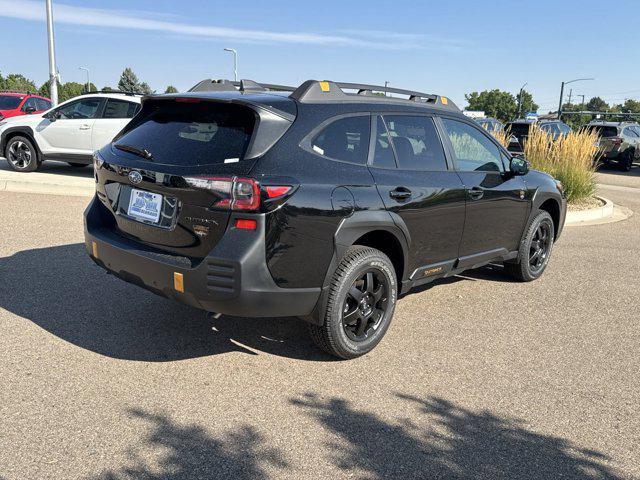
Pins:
x,y
141,152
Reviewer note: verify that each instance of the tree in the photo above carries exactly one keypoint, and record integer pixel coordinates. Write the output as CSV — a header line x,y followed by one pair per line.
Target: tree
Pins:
x,y
171,89
70,90
144,88
128,81
596,104
18,83
495,103
630,106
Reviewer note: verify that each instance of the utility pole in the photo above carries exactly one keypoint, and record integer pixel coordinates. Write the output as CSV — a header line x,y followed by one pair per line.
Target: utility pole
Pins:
x,y
235,62
570,92
582,107
53,72
562,92
386,84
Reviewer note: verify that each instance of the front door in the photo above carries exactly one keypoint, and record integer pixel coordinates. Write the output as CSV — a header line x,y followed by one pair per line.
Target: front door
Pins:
x,y
70,133
414,180
497,207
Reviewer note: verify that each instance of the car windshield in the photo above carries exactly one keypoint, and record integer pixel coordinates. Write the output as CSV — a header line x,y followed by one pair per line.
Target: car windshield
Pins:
x,y
9,102
190,134
604,131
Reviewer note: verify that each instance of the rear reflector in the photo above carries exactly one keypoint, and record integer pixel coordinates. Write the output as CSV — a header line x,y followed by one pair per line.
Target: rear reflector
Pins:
x,y
178,282
246,224
274,192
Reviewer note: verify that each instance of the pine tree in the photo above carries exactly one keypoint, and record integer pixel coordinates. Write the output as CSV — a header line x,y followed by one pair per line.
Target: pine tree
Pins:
x,y
171,89
128,81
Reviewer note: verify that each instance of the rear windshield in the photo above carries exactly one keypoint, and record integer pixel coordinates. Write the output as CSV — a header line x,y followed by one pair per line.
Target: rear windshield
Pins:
x,y
189,134
604,131
9,102
518,129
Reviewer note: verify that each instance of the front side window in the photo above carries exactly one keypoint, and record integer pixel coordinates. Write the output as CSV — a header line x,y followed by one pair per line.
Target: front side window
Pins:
x,y
120,109
416,143
346,140
30,104
474,151
80,109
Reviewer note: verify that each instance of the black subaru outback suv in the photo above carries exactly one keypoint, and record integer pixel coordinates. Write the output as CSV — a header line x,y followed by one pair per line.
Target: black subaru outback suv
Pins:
x,y
324,202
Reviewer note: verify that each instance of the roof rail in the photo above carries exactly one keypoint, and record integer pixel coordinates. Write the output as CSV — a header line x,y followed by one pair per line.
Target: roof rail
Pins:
x,y
313,91
222,85
105,92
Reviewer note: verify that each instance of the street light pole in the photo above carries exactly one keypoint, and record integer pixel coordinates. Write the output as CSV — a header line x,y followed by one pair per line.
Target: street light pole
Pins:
x,y
53,73
520,100
88,81
235,62
562,92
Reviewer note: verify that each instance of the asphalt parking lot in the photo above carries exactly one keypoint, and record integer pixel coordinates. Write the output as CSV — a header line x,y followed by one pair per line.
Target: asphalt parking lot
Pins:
x,y
478,377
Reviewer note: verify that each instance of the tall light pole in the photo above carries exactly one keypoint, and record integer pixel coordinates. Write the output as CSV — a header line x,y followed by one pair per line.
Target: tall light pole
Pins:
x,y
562,92
235,62
88,81
53,72
520,100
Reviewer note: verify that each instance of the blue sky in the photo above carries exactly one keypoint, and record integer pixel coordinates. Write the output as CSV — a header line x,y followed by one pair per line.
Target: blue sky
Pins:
x,y
450,48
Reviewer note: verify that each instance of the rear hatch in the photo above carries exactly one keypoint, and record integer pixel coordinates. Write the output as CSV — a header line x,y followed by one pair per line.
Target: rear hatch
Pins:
x,y
174,176
519,133
608,138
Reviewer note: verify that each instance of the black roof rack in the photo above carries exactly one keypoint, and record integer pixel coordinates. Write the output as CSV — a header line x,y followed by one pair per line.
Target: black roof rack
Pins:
x,y
212,85
313,91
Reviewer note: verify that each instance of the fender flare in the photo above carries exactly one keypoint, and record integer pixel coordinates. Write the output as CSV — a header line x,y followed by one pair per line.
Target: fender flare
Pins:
x,y
350,229
27,131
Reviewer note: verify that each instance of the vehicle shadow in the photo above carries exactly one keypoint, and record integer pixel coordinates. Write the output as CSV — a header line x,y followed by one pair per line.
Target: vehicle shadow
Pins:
x,y
447,441
190,452
62,291
614,168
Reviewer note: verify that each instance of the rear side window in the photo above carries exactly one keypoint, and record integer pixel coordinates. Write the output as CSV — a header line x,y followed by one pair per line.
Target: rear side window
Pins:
x,y
189,134
416,143
473,150
630,131
120,109
346,140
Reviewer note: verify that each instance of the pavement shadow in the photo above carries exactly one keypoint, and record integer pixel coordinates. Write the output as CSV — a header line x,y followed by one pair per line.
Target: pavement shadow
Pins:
x,y
190,453
62,291
456,444
56,168
614,168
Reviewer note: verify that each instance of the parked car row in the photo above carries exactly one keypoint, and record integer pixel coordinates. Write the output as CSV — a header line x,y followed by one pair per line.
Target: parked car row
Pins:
x,y
14,104
70,132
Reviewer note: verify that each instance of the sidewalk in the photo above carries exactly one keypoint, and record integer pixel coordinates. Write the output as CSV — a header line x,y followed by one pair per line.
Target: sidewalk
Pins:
x,y
54,178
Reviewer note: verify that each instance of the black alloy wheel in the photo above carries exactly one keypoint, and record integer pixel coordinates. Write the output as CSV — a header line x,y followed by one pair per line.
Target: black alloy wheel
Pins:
x,y
365,305
540,247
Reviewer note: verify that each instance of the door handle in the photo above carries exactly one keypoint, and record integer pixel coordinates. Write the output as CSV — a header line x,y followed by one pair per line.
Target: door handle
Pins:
x,y
400,193
85,127
476,193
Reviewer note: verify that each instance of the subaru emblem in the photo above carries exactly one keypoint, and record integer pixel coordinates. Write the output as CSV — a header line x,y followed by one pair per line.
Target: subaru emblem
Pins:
x,y
135,177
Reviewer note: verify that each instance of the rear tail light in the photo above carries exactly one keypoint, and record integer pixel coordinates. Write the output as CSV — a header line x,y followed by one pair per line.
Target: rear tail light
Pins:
x,y
246,224
238,193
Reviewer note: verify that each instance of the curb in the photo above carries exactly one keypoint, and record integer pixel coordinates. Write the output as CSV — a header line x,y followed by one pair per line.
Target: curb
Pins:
x,y
46,188
604,212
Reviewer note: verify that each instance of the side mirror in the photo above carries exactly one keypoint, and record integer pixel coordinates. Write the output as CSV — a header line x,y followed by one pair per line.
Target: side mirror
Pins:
x,y
29,110
52,116
519,166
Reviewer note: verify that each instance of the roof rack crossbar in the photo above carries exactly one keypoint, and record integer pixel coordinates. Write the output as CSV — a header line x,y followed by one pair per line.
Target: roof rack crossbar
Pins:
x,y
244,85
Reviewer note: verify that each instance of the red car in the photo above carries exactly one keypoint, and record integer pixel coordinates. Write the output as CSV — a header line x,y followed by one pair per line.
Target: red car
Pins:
x,y
13,104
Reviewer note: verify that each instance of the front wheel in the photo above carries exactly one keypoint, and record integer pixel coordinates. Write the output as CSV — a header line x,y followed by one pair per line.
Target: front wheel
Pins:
x,y
21,155
535,249
360,305
627,161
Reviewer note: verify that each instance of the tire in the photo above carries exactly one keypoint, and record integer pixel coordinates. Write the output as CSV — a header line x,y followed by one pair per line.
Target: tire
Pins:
x,y
77,165
369,272
627,161
535,249
21,155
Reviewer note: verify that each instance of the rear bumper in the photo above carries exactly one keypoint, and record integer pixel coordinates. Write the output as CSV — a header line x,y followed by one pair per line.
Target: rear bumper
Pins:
x,y
233,279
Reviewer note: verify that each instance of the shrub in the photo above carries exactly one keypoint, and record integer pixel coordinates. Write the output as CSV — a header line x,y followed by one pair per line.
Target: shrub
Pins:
x,y
569,159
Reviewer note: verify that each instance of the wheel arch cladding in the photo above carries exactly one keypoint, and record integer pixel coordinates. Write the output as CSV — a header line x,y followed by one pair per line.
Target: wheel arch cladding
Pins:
x,y
551,206
9,133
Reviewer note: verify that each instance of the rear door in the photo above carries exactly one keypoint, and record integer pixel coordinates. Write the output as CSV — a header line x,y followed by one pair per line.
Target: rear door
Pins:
x,y
71,131
415,181
497,207
115,116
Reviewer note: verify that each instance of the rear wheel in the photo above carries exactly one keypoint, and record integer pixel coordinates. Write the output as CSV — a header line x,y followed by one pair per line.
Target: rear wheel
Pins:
x,y
627,161
361,302
535,249
21,155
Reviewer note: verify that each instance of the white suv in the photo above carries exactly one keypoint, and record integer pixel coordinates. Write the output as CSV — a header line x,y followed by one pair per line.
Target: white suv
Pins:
x,y
70,132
